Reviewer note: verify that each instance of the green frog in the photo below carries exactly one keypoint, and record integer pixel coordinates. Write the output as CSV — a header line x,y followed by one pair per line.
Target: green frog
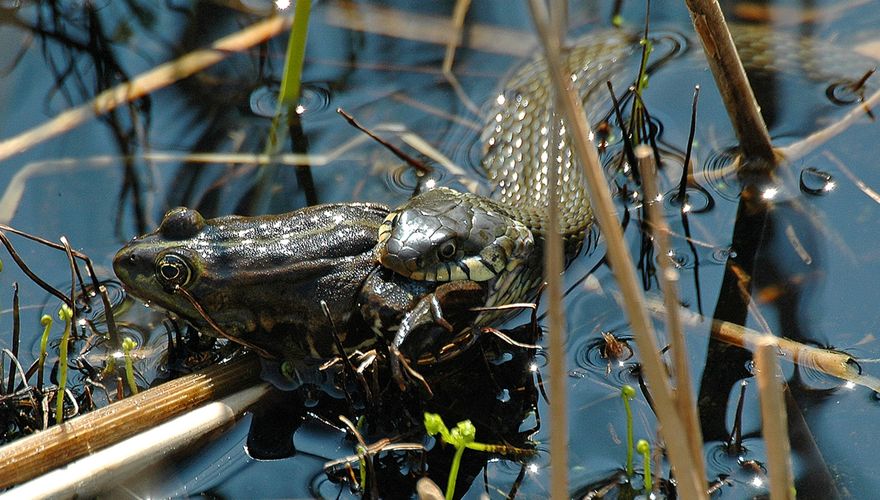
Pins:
x,y
260,278
262,281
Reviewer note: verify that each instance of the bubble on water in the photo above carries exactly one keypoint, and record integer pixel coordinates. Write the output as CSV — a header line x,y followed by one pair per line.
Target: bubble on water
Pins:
x,y
696,200
681,258
816,182
313,98
720,255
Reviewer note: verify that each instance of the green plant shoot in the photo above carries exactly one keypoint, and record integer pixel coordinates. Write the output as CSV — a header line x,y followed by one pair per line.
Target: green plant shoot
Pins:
x,y
626,393
46,321
461,437
127,345
296,51
66,315
645,449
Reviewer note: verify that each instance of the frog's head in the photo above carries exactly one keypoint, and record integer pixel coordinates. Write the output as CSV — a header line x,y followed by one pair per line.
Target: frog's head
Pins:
x,y
154,265
445,235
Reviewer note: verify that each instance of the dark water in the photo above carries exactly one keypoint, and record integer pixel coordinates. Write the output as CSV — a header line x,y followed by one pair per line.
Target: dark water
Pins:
x,y
812,251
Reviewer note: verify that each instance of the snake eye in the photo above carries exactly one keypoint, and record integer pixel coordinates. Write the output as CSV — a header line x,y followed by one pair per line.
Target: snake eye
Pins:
x,y
447,250
172,270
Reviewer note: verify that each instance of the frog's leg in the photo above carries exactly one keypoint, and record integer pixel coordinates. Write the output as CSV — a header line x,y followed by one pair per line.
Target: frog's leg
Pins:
x,y
418,329
415,315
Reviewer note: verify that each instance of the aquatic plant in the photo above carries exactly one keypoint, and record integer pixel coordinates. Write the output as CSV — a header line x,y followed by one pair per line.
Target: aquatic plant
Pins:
x,y
291,78
461,437
65,314
645,449
46,321
626,393
127,345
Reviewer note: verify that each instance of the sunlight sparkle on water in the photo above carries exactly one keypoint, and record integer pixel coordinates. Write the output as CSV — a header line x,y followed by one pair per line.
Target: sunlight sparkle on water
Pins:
x,y
770,193
533,367
533,468
500,99
850,384
430,183
282,4
757,482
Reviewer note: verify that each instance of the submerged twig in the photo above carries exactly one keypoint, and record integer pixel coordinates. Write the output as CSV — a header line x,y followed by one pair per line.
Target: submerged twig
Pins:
x,y
417,165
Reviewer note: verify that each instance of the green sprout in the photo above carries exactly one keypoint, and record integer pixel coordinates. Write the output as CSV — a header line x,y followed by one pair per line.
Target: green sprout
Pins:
x,y
645,449
461,437
66,315
127,345
627,392
46,321
296,52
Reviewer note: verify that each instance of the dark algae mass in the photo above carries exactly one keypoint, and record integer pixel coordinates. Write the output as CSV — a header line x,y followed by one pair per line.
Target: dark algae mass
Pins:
x,y
371,304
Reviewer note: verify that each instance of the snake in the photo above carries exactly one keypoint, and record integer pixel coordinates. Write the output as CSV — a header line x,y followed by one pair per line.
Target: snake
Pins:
x,y
445,235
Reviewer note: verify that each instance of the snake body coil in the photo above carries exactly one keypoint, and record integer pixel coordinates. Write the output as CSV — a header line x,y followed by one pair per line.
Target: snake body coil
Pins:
x,y
445,235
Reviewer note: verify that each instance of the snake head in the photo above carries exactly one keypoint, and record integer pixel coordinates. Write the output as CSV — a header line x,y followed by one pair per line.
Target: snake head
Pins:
x,y
445,235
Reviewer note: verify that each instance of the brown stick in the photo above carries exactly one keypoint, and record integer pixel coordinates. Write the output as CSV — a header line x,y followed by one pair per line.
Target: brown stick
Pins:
x,y
56,446
730,77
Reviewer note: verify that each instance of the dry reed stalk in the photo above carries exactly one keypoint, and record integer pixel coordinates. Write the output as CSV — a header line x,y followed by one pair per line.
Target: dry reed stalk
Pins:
x,y
668,276
553,268
690,484
773,417
458,14
731,80
95,473
833,363
145,83
836,364
38,453
426,29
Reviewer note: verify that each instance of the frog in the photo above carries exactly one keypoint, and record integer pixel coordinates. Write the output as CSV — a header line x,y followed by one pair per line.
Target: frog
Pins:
x,y
286,284
261,279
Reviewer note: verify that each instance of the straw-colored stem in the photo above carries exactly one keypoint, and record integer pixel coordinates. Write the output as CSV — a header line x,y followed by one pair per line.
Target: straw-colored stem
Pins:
x,y
91,475
773,417
730,77
553,268
145,83
690,484
810,143
668,277
33,455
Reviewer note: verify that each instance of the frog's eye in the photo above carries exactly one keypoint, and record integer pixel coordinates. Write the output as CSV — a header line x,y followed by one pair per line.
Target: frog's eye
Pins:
x,y
172,270
447,250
